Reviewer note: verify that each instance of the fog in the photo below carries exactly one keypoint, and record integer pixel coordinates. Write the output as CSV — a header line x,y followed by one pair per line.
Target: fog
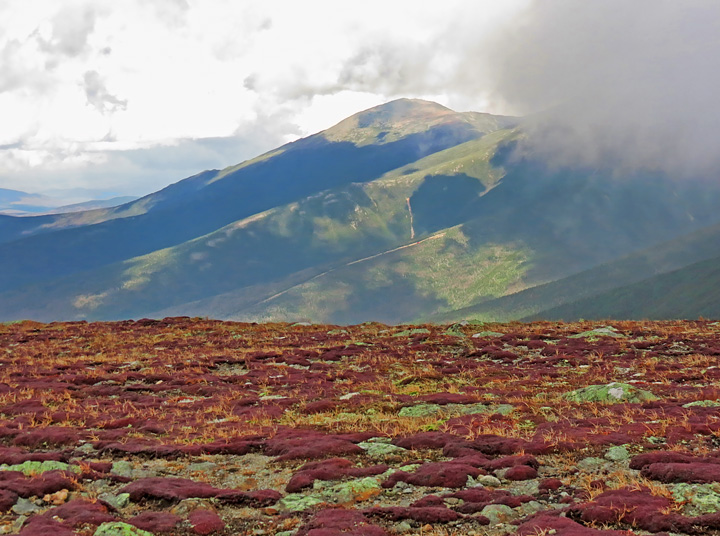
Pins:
x,y
632,84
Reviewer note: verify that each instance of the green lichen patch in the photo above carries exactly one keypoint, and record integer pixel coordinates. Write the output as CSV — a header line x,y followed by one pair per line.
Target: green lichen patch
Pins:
x,y
617,454
297,502
325,492
117,528
498,513
702,404
482,334
430,410
610,393
421,410
607,331
411,332
379,449
35,468
700,498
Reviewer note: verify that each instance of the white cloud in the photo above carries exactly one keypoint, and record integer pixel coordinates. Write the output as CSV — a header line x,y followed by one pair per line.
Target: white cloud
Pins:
x,y
83,81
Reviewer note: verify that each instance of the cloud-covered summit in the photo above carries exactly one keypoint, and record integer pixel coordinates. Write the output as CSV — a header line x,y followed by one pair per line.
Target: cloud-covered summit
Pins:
x,y
632,83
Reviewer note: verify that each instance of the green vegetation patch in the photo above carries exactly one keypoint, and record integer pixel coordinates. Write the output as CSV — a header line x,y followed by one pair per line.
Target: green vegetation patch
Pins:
x,y
330,492
411,332
449,268
702,404
118,528
607,331
378,447
430,410
700,498
30,468
610,393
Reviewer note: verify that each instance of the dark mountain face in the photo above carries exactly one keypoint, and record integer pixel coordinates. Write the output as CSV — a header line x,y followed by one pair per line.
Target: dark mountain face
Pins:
x,y
594,214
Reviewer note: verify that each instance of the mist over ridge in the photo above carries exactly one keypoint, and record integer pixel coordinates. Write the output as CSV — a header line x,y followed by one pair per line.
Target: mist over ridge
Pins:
x,y
631,84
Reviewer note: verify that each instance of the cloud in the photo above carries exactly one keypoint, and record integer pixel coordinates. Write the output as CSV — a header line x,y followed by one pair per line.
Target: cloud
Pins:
x,y
14,73
98,95
88,85
71,28
633,84
101,170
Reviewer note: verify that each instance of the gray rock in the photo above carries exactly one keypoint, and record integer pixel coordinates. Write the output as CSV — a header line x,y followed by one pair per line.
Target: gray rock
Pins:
x,y
500,473
129,470
24,507
122,468
18,524
605,331
526,487
87,448
201,466
186,506
611,393
532,507
116,501
487,334
617,454
591,464
488,481
379,449
498,513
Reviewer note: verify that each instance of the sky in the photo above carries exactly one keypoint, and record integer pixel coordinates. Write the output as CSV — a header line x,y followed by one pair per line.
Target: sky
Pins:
x,y
102,98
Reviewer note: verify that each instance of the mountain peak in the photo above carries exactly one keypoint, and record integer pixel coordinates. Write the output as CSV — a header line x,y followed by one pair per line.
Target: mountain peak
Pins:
x,y
390,121
403,110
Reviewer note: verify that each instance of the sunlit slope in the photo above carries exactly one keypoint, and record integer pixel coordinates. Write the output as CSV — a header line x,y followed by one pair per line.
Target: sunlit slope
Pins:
x,y
438,273
627,270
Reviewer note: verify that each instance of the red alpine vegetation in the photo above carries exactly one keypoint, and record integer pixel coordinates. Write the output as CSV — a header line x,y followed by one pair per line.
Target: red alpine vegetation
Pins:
x,y
192,426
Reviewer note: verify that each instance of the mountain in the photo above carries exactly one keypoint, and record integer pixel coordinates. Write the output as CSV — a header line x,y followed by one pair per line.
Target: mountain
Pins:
x,y
577,296
689,292
210,200
403,212
94,204
17,202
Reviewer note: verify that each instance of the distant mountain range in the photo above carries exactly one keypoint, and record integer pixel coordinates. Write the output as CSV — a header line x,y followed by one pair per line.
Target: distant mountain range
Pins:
x,y
17,203
405,212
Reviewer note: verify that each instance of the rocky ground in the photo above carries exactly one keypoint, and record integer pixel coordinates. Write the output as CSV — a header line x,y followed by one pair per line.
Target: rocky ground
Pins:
x,y
190,426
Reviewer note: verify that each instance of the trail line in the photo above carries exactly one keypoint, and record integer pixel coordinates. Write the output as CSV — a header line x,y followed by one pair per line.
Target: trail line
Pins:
x,y
433,237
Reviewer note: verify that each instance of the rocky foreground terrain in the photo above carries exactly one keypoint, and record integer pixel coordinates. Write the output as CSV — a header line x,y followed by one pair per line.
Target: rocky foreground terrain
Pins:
x,y
190,426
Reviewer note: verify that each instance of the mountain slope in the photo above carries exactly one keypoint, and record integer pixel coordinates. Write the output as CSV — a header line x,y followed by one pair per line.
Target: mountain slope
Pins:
x,y
688,293
402,212
94,204
204,203
331,228
633,268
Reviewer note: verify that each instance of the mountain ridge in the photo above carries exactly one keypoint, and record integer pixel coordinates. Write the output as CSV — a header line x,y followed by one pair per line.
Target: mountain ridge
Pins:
x,y
402,212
